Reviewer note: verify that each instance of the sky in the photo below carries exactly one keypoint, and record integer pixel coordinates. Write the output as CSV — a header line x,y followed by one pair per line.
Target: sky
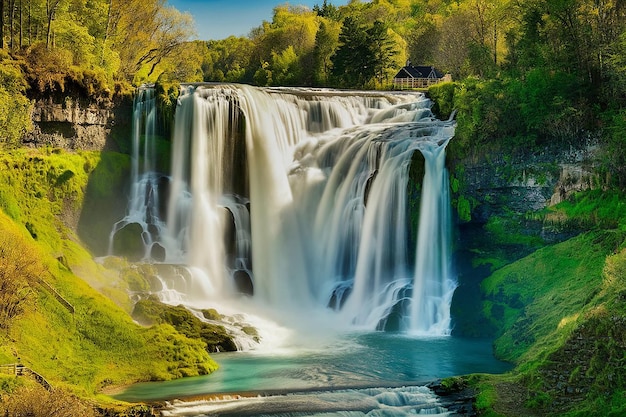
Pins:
x,y
218,19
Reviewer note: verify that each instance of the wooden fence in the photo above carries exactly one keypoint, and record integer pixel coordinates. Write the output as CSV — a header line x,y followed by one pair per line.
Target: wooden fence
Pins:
x,y
21,370
412,83
58,296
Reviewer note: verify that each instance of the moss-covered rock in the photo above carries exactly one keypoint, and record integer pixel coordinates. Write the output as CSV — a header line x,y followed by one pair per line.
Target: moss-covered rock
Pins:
x,y
151,311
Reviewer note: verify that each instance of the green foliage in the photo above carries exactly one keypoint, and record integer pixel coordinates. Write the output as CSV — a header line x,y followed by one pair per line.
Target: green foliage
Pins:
x,y
15,108
536,295
35,401
95,343
151,311
613,156
589,210
227,60
364,54
464,209
442,95
18,275
326,41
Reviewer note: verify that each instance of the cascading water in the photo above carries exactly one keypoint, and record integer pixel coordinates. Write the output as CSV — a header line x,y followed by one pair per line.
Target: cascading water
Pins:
x,y
144,203
300,198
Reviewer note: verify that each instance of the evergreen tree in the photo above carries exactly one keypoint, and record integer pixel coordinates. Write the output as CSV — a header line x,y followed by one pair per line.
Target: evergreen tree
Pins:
x,y
353,63
327,10
382,49
326,41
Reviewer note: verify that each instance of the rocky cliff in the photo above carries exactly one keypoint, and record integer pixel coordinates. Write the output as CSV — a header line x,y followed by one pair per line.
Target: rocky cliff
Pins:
x,y
501,183
73,123
509,197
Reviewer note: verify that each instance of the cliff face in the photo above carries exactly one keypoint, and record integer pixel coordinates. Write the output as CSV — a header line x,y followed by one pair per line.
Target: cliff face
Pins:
x,y
507,193
75,124
501,184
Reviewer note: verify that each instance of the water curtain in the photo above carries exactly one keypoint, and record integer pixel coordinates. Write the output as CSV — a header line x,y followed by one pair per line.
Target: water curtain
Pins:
x,y
299,198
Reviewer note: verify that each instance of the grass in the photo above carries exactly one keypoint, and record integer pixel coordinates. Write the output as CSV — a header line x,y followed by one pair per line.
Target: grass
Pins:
x,y
562,316
97,345
42,194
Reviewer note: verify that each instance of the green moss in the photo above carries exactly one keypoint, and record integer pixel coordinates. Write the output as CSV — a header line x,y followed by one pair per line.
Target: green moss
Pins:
x,y
537,293
485,401
215,337
94,343
594,209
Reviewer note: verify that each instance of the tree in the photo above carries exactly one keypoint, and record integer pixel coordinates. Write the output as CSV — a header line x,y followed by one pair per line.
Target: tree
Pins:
x,y
291,27
353,60
453,48
383,50
328,11
51,8
326,41
227,59
19,271
144,33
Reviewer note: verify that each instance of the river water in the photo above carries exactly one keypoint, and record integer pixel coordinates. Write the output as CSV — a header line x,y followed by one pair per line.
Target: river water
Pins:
x,y
338,377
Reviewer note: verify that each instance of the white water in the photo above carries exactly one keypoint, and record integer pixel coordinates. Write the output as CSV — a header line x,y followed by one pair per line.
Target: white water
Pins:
x,y
397,402
144,199
325,175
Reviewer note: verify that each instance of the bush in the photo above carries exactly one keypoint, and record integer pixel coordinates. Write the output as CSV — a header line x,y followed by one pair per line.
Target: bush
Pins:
x,y
15,108
37,402
19,270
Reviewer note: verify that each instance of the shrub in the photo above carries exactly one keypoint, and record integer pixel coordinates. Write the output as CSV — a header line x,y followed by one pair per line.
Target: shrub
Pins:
x,y
37,402
19,270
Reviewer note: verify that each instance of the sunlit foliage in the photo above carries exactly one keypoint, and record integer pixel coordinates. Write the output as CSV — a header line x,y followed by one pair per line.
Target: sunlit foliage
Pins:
x,y
37,402
18,275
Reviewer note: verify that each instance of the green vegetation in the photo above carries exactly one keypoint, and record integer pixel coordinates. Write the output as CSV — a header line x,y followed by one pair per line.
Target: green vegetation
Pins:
x,y
53,319
530,77
151,311
558,313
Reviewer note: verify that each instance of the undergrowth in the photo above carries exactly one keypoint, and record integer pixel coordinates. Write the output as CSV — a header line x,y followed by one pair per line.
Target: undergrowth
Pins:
x,y
86,342
562,316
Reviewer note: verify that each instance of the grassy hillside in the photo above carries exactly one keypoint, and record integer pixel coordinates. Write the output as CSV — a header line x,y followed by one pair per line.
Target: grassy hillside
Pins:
x,y
95,344
561,317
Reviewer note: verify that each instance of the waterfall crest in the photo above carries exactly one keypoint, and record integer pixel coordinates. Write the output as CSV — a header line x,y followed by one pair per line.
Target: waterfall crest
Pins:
x,y
299,198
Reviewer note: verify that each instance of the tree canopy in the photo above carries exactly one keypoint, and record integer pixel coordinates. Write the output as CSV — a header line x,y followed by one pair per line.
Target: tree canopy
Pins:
x,y
533,69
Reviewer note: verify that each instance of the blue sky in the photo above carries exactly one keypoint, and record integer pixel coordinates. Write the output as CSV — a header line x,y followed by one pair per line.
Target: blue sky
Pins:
x,y
218,19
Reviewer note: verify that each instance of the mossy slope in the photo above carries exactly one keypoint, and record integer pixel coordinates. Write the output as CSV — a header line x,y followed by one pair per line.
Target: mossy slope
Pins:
x,y
97,344
562,318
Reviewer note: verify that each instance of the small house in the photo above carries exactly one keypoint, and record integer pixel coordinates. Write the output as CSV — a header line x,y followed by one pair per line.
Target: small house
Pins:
x,y
421,76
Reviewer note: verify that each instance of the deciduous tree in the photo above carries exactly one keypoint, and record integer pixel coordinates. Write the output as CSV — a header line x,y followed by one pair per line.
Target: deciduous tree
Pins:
x,y
18,273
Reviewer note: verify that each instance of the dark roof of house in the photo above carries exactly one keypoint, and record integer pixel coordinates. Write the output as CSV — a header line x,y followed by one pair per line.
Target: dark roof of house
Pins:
x,y
420,71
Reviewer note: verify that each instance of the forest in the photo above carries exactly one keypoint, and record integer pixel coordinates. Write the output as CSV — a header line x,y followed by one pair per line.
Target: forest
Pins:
x,y
531,71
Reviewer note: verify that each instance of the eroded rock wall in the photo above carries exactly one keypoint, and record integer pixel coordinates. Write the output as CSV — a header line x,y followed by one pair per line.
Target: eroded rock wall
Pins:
x,y
525,183
76,124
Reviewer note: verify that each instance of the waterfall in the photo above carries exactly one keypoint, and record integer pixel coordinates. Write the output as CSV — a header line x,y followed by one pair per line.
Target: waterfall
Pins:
x,y
143,216
298,197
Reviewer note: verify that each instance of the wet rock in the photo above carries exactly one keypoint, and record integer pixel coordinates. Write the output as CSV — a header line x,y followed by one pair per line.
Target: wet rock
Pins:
x,y
243,282
128,242
157,252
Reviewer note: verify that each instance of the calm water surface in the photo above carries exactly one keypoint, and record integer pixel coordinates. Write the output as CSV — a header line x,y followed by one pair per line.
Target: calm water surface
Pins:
x,y
356,361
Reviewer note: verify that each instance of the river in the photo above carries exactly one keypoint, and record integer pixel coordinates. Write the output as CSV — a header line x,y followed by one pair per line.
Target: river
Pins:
x,y
338,377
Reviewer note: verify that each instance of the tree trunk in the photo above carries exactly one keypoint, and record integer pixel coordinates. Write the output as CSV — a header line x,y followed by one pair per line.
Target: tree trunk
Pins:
x,y
21,26
51,6
106,31
1,24
11,26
